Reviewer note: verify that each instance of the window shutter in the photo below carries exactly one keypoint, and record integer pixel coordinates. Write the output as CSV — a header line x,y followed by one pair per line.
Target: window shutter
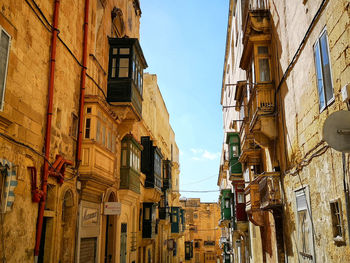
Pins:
x,y
4,54
301,200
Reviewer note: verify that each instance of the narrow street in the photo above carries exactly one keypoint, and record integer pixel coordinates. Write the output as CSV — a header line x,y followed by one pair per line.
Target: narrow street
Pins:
x,y
163,131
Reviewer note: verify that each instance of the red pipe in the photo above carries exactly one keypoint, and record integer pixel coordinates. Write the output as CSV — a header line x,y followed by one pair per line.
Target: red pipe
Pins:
x,y
39,226
83,80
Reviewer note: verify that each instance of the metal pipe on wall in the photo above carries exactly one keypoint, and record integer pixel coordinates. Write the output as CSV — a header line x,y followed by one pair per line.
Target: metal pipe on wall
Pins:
x,y
83,83
40,219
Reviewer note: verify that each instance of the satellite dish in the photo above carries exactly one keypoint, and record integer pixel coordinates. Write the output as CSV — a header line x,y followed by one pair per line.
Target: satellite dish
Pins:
x,y
336,131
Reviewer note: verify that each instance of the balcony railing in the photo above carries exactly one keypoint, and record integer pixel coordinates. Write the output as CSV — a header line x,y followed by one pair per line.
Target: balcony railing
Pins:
x,y
262,101
270,191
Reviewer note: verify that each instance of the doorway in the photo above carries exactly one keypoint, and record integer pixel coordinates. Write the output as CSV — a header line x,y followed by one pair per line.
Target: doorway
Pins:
x,y
110,234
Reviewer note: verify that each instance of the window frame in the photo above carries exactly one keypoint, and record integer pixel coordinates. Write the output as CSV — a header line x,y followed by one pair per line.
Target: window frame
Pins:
x,y
306,191
256,66
2,96
318,42
339,218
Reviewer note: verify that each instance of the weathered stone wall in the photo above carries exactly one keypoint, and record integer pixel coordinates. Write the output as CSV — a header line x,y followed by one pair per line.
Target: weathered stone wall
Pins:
x,y
303,121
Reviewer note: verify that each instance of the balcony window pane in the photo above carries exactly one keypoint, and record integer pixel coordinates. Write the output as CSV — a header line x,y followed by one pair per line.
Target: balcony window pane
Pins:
x,y
235,151
130,159
114,65
124,63
240,198
326,68
264,69
263,50
319,76
123,72
124,51
115,51
147,213
124,157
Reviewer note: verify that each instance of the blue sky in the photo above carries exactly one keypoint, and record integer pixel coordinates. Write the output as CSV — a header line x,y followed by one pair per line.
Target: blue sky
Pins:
x,y
184,44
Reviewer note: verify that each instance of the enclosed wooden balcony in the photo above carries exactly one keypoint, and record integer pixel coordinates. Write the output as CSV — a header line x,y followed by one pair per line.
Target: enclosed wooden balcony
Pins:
x,y
252,197
270,190
151,164
175,220
149,220
253,8
167,165
125,77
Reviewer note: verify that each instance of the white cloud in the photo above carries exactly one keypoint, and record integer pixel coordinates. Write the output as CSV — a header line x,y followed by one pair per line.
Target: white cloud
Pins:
x,y
196,151
202,155
210,156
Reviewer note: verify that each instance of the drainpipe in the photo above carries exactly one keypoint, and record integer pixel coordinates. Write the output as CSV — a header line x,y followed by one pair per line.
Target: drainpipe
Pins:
x,y
48,130
346,192
83,81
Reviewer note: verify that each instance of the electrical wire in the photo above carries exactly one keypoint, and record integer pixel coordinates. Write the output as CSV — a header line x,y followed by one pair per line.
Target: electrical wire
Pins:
x,y
202,180
7,137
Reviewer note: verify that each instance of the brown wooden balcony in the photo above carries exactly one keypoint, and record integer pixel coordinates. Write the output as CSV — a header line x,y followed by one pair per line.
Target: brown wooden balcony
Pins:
x,y
253,7
270,190
261,107
252,197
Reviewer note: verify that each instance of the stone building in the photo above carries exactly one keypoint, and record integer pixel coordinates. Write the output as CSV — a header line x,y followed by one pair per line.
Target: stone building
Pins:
x,y
202,234
289,69
87,153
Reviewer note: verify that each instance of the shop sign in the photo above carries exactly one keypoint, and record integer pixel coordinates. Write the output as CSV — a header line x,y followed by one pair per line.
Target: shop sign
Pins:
x,y
90,216
112,208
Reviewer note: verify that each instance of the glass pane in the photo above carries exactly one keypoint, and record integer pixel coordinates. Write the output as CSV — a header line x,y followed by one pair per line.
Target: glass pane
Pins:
x,y
123,72
147,213
240,198
264,69
115,51
4,45
124,51
130,159
263,50
98,129
124,157
234,151
319,76
124,62
327,81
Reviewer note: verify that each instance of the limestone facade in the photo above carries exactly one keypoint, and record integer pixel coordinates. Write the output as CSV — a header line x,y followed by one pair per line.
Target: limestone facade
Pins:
x,y
201,234
295,63
77,225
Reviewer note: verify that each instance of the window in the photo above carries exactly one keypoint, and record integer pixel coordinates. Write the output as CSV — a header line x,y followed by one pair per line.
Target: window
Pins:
x,y
5,41
227,203
304,227
87,128
74,127
130,157
240,198
120,63
323,71
337,221
263,61
147,215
